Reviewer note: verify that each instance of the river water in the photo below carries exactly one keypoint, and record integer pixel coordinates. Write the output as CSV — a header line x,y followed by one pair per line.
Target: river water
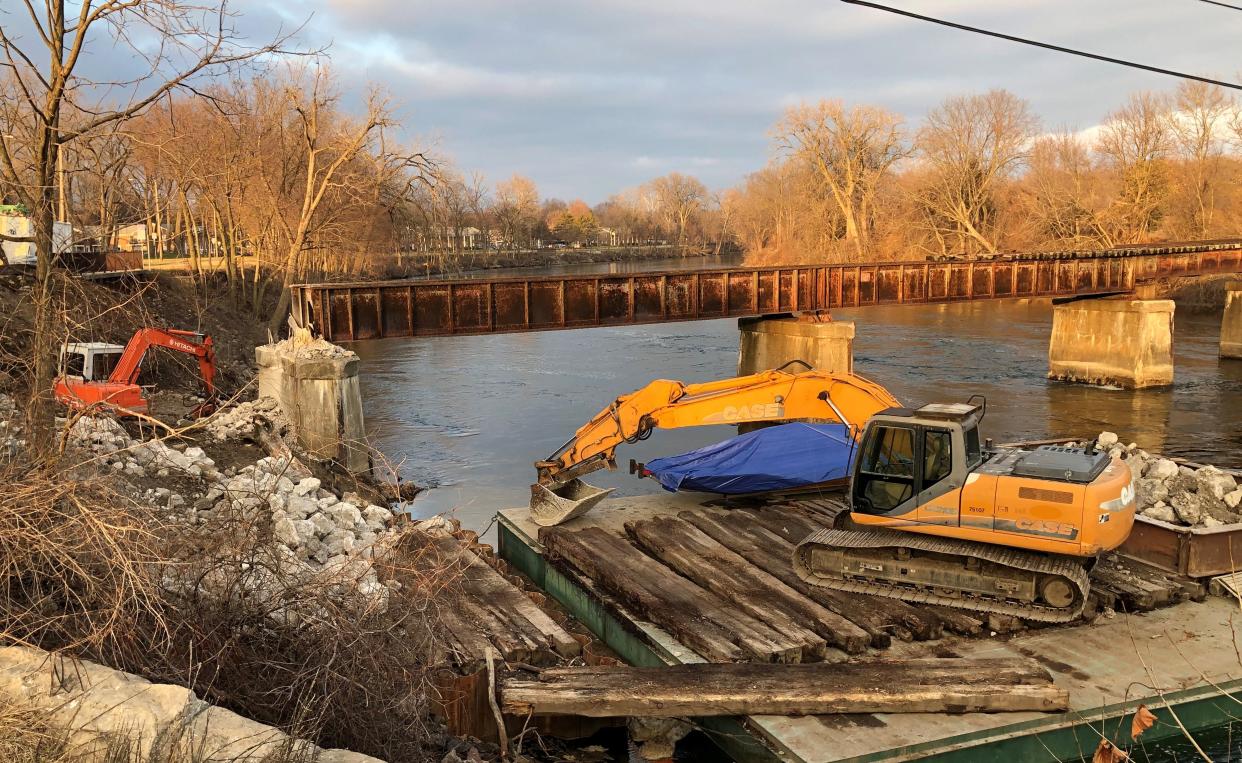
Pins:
x,y
467,416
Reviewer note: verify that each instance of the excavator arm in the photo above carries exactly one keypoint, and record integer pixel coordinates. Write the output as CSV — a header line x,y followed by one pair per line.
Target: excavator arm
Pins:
x,y
189,342
764,397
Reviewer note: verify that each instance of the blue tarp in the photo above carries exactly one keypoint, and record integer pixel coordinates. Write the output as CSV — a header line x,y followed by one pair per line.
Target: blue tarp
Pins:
x,y
773,458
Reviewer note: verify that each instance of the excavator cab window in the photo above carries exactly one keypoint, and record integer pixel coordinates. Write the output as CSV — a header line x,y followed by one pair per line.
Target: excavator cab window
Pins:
x,y
886,475
75,364
937,456
102,365
974,456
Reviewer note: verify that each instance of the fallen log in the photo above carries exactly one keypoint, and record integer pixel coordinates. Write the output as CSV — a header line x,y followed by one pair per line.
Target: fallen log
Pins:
x,y
698,690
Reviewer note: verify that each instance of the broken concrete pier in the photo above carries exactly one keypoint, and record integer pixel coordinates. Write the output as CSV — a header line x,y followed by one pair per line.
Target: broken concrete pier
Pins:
x,y
1231,322
316,384
1123,342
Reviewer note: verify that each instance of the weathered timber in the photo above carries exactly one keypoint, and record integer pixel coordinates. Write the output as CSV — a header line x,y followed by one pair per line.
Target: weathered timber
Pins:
x,y
699,690
881,618
957,620
696,555
791,523
1134,590
503,614
698,618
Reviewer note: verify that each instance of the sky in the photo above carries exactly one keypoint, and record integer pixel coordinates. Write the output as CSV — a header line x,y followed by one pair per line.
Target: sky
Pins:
x,y
589,97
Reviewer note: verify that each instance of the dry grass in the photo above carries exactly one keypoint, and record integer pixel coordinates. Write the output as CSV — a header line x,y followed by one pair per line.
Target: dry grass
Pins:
x,y
218,607
78,561
31,735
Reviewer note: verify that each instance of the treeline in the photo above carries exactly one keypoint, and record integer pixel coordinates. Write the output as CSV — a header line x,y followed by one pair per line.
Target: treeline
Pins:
x,y
981,174
272,180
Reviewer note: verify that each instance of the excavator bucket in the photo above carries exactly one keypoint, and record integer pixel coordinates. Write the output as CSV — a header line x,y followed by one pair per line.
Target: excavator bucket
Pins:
x,y
549,507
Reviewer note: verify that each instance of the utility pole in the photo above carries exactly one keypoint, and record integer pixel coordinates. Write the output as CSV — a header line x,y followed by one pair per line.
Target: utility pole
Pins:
x,y
61,214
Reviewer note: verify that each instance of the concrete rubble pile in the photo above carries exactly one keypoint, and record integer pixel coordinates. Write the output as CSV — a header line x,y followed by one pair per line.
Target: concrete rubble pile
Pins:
x,y
316,533
1174,493
244,421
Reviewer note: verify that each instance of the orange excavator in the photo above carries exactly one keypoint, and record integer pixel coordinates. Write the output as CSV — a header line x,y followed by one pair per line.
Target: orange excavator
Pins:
x,y
106,375
936,514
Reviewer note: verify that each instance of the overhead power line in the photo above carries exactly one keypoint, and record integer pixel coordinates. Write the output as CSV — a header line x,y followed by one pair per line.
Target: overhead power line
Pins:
x,y
1047,46
1223,5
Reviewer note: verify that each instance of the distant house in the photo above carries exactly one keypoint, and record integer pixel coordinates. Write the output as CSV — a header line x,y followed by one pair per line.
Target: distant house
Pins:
x,y
603,237
15,222
134,237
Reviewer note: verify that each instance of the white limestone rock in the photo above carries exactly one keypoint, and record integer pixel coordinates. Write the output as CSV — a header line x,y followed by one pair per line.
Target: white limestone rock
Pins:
x,y
346,515
299,507
1107,439
339,541
1188,507
1214,482
307,486
1161,512
1233,499
378,517
1161,469
323,523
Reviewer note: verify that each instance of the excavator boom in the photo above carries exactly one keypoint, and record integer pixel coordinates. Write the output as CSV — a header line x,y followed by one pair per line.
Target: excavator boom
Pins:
x,y
769,396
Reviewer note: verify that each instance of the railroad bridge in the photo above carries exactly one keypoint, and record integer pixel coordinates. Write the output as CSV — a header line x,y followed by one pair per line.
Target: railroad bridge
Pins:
x,y
443,307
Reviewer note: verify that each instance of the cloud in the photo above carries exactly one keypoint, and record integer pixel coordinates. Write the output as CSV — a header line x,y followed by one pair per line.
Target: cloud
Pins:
x,y
589,98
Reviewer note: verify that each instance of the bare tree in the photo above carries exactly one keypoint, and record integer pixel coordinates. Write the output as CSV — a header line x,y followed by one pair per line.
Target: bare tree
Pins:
x,y
1198,124
1135,141
1065,193
178,42
517,209
970,145
680,197
850,151
326,148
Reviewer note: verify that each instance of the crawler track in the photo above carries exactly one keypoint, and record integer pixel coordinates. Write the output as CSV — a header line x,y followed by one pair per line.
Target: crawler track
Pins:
x,y
921,544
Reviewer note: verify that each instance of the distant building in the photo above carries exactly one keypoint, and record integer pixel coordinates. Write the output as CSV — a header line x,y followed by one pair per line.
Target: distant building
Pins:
x,y
15,222
603,237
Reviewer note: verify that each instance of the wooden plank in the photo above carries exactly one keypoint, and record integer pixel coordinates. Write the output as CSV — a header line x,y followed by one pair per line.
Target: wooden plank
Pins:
x,y
694,616
519,629
951,685
696,555
881,618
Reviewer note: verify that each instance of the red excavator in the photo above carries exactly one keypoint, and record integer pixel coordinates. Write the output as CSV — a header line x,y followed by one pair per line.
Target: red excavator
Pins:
x,y
106,375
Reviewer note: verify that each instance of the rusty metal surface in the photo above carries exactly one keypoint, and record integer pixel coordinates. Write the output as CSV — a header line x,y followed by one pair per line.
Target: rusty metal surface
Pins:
x,y
1195,552
354,311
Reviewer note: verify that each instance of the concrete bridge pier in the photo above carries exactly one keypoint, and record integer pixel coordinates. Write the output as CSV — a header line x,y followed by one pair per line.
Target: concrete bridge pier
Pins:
x,y
1124,342
316,384
1231,323
772,341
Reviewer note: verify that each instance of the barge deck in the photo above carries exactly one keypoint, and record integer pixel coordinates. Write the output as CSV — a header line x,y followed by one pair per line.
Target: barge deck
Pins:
x,y
1178,657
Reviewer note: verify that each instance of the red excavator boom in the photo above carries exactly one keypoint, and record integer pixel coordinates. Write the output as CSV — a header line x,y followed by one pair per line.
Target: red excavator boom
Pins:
x,y
82,381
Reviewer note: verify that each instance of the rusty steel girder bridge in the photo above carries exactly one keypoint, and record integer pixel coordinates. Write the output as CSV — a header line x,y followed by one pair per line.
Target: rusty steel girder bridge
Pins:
x,y
444,307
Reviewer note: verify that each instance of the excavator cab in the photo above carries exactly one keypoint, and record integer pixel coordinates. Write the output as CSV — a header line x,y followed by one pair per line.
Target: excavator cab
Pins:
x,y
89,361
908,458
